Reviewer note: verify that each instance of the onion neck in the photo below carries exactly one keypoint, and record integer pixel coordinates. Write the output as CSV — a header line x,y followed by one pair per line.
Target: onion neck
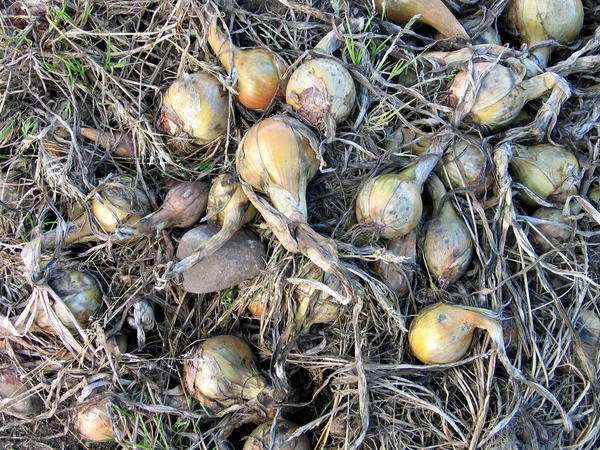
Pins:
x,y
78,230
537,86
220,44
419,172
542,55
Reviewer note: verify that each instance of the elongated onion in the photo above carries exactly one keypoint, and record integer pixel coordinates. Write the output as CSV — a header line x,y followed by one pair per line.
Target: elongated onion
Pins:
x,y
229,207
93,420
395,276
555,229
392,203
195,106
322,91
501,95
551,172
121,144
183,207
118,202
432,12
260,438
221,373
448,248
541,20
79,292
278,157
259,71
442,333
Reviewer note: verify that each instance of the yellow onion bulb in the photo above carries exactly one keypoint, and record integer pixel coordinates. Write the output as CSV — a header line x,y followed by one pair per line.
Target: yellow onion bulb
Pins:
x,y
260,438
448,247
259,71
80,293
396,276
588,328
221,373
93,421
195,106
551,172
541,20
431,12
442,333
322,91
556,229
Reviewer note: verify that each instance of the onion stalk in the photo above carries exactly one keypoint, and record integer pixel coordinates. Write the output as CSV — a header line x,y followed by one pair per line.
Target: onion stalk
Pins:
x,y
541,20
394,275
259,71
442,333
229,207
195,106
262,436
432,12
121,144
183,207
555,229
551,172
448,248
221,373
277,157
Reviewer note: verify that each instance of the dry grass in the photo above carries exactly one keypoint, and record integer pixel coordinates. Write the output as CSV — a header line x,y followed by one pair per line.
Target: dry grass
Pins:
x,y
104,64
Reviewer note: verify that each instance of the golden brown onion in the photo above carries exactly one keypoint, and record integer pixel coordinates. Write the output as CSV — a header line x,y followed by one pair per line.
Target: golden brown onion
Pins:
x,y
195,106
121,144
260,438
93,421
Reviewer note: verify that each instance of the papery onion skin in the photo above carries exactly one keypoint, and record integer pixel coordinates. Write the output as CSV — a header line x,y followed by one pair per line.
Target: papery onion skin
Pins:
x,y
556,233
196,106
260,438
320,88
221,373
93,422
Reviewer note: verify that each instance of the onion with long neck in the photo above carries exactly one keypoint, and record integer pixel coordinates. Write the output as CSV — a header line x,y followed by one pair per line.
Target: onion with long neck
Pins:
x,y
432,12
542,20
117,202
259,71
229,207
183,207
120,144
277,157
448,248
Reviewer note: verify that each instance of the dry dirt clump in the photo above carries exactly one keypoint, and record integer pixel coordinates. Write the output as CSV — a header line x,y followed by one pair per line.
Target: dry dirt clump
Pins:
x,y
353,382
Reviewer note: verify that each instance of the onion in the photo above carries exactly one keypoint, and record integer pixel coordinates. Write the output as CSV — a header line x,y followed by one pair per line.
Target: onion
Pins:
x,y
551,172
322,91
278,157
183,207
391,203
79,292
588,326
260,438
141,320
121,144
541,20
259,71
313,305
432,12
11,387
555,229
501,95
448,248
442,333
195,106
594,195
229,207
395,276
93,420
221,373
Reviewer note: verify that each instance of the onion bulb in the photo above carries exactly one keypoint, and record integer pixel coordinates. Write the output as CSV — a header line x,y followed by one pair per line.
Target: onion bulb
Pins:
x,y
260,438
594,195
259,71
313,305
229,207
221,373
183,207
551,172
442,333
195,106
391,203
588,328
501,96
79,292
25,403
395,276
432,12
448,248
93,420
277,157
117,202
322,91
555,229
121,144
542,20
